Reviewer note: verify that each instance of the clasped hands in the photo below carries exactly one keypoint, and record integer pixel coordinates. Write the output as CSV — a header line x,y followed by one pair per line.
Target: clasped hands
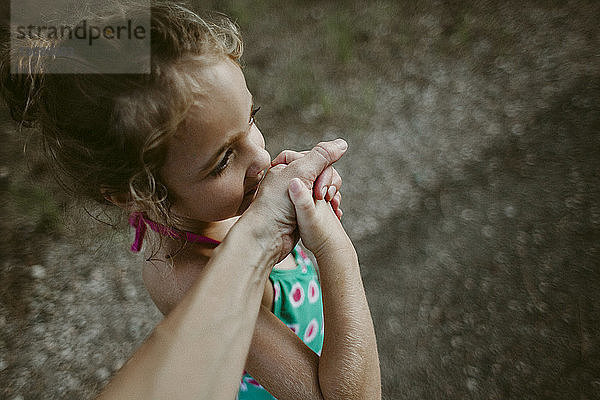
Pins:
x,y
272,211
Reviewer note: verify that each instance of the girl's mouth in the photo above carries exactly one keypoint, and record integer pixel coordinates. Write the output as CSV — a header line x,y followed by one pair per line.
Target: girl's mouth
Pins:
x,y
254,188
252,191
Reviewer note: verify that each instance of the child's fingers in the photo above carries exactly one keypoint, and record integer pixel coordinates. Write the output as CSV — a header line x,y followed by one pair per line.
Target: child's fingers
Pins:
x,y
331,181
322,183
336,180
336,202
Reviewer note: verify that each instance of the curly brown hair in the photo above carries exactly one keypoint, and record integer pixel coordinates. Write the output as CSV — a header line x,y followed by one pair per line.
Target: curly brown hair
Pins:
x,y
107,133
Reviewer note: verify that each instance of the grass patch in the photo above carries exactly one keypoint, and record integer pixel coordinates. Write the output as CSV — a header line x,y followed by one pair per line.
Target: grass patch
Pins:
x,y
340,37
32,207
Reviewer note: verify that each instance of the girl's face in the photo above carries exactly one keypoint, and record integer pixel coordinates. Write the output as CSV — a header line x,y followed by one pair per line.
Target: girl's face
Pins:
x,y
215,162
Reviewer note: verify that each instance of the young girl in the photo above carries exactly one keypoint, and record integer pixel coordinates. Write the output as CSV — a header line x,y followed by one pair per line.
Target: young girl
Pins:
x,y
179,150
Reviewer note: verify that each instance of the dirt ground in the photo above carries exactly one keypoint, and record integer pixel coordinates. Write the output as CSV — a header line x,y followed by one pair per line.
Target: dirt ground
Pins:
x,y
471,191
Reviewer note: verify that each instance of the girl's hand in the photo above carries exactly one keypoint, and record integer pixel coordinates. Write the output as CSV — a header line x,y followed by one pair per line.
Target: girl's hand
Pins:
x,y
316,220
271,216
326,187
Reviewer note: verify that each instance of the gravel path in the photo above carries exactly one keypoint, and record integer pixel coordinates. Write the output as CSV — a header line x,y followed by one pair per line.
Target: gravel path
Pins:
x,y
471,192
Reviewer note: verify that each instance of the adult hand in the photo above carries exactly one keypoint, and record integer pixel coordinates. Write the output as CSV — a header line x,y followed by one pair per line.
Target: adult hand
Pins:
x,y
272,214
326,187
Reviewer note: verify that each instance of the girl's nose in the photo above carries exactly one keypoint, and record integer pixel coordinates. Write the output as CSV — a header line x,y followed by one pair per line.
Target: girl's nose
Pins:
x,y
261,161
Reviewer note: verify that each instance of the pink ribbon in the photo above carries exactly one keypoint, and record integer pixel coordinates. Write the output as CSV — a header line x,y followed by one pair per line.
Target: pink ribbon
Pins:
x,y
139,221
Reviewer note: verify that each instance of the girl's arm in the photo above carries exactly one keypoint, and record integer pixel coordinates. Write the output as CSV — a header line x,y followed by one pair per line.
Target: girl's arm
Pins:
x,y
349,366
349,363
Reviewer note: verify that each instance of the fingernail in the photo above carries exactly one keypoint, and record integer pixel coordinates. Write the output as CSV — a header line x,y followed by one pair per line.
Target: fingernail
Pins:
x,y
341,143
331,192
324,192
295,186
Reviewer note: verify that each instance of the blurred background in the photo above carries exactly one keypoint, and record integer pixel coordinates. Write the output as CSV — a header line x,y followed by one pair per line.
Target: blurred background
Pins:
x,y
471,191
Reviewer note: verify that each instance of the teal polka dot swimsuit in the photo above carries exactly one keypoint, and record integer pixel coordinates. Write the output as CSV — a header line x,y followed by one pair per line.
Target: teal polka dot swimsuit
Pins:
x,y
297,302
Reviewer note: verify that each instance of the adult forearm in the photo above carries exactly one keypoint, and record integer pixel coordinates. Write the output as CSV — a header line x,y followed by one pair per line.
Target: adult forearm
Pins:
x,y
349,363
199,349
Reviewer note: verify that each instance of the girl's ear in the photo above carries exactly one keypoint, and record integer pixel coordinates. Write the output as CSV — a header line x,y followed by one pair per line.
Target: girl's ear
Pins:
x,y
122,200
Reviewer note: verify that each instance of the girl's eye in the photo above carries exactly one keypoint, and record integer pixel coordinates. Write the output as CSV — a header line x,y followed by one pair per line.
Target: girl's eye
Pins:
x,y
223,164
253,114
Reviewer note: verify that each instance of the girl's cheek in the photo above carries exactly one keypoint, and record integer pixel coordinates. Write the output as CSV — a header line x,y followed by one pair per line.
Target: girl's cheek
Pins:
x,y
227,192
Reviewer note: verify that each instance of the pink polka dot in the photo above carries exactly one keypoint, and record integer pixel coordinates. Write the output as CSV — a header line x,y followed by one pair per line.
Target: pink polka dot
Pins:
x,y
296,295
313,292
253,382
311,331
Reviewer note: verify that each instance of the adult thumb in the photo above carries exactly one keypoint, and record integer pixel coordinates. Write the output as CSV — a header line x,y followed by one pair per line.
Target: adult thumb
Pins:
x,y
319,158
303,202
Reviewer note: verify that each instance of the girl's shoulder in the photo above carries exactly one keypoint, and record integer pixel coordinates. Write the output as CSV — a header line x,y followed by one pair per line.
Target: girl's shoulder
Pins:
x,y
167,280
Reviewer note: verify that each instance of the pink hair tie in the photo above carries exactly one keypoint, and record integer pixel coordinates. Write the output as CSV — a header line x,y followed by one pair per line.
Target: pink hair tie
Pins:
x,y
139,221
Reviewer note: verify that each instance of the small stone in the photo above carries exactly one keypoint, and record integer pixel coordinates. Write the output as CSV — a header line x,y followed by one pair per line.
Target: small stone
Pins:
x,y
394,325
517,129
514,305
467,214
130,291
471,370
469,283
38,271
456,341
102,374
523,368
118,364
496,368
487,231
542,307
471,384
395,305
39,359
510,211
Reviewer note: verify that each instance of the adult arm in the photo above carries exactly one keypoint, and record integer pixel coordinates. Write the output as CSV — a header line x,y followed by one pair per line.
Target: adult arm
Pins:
x,y
199,349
